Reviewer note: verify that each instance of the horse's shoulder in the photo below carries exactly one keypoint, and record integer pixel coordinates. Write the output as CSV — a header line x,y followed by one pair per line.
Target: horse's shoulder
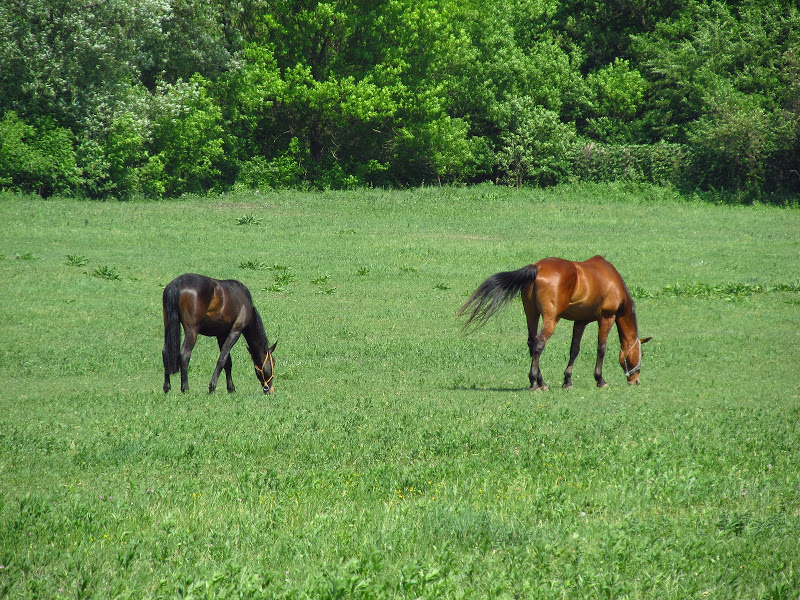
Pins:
x,y
231,284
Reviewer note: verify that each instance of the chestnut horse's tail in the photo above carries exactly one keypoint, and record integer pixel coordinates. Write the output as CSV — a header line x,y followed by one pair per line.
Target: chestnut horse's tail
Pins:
x,y
172,328
496,292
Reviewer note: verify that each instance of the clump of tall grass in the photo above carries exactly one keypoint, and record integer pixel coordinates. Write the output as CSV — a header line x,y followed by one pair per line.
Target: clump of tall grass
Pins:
x,y
76,260
248,220
106,272
252,265
282,278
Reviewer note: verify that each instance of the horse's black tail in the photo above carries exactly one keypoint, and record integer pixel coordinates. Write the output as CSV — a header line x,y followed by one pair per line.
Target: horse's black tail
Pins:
x,y
172,328
496,292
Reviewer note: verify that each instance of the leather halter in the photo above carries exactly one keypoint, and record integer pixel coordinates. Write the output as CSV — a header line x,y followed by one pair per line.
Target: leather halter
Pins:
x,y
638,366
269,358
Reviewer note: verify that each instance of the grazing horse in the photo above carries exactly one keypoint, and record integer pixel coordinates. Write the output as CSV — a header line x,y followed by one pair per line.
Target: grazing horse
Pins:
x,y
556,289
220,309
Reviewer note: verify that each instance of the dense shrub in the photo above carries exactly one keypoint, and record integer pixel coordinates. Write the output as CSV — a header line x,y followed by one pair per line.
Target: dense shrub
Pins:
x,y
535,146
662,163
36,159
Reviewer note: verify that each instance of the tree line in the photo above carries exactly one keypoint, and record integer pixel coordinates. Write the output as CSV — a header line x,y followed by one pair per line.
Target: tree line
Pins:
x,y
123,98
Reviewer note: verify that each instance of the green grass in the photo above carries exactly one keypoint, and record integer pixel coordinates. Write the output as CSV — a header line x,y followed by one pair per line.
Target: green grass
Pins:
x,y
399,457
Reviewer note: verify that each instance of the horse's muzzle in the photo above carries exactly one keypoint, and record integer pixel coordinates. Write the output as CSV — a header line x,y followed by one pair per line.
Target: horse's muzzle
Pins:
x,y
268,390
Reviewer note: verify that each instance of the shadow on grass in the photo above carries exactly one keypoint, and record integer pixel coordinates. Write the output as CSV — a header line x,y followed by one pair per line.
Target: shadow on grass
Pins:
x,y
477,388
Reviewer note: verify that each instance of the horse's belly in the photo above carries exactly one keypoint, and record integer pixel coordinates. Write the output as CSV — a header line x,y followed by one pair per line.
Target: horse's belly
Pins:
x,y
581,312
213,328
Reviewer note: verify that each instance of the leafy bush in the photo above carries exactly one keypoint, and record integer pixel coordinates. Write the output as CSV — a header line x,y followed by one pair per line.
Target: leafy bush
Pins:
x,y
36,159
725,80
283,171
662,163
535,146
733,142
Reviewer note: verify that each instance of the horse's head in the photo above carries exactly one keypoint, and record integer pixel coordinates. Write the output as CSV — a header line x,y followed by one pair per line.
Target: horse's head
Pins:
x,y
631,360
266,372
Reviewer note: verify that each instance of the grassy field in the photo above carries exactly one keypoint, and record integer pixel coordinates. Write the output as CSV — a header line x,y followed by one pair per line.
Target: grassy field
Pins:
x,y
399,457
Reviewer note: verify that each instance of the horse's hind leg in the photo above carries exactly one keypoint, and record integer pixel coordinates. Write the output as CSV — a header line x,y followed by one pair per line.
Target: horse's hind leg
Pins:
x,y
532,317
186,353
604,327
536,345
536,341
167,385
574,349
228,365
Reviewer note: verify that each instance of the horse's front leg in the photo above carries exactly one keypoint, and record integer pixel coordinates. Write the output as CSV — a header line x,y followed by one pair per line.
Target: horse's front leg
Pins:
x,y
224,358
604,327
228,365
574,349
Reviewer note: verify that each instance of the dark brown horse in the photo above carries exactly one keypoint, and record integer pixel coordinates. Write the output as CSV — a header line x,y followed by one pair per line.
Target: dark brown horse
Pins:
x,y
220,309
556,289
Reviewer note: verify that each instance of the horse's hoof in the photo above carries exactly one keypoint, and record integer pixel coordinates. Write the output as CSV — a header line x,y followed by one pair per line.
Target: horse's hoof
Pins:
x,y
602,384
538,388
566,386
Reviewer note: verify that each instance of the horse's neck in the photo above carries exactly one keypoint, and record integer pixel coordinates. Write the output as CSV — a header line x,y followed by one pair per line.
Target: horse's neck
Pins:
x,y
627,326
254,344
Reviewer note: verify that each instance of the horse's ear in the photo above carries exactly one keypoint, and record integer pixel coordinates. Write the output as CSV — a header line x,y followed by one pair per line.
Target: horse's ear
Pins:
x,y
645,340
272,349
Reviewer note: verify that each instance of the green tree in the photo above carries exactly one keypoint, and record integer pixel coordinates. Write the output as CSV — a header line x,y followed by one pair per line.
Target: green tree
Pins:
x,y
71,61
724,79
617,94
187,136
603,29
314,78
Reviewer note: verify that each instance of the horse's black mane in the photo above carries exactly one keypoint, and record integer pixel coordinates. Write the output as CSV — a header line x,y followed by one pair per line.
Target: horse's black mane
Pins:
x,y
258,325
630,301
258,336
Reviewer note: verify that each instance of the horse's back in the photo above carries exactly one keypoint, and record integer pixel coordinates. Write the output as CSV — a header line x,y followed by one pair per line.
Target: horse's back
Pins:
x,y
582,290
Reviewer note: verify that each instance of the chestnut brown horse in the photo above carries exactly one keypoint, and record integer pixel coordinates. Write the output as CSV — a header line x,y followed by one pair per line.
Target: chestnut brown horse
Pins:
x,y
220,309
556,289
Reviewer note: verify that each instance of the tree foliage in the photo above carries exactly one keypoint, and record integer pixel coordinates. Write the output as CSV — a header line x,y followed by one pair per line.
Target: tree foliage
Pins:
x,y
164,97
